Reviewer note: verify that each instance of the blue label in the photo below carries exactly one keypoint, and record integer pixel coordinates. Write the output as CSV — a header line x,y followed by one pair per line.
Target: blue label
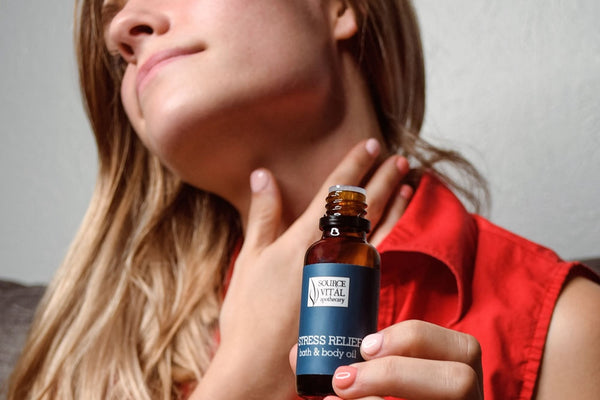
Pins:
x,y
338,309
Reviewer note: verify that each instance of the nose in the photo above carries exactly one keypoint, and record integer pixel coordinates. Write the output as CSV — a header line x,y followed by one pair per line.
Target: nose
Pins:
x,y
131,26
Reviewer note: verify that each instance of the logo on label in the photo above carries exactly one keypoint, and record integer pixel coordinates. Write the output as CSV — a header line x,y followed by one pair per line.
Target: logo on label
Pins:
x,y
328,291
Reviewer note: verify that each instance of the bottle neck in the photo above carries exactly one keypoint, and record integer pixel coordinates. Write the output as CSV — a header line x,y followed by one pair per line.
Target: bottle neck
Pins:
x,y
345,213
343,232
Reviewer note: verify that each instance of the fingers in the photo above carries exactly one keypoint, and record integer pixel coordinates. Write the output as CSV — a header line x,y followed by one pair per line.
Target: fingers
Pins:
x,y
265,210
415,360
409,378
350,171
387,198
383,184
293,357
423,340
399,202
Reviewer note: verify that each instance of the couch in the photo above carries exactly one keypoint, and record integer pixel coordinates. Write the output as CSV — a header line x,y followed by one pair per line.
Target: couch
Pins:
x,y
17,305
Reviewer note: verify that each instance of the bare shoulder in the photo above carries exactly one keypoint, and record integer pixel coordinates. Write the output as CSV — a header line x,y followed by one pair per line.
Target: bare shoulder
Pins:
x,y
571,362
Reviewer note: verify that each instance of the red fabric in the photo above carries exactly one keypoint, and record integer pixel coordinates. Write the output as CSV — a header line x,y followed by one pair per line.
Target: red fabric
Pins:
x,y
443,265
446,266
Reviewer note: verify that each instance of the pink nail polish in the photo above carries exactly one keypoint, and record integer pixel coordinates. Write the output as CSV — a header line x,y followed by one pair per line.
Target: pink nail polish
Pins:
x,y
344,377
373,147
402,165
258,180
371,344
406,192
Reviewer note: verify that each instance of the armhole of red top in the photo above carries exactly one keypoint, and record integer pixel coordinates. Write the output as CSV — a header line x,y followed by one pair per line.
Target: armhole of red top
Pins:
x,y
536,349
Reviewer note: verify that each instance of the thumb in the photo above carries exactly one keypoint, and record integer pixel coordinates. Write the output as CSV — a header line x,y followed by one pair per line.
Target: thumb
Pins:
x,y
293,357
264,216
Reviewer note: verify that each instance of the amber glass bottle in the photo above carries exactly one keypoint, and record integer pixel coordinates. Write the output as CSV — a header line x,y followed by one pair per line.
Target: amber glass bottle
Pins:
x,y
340,293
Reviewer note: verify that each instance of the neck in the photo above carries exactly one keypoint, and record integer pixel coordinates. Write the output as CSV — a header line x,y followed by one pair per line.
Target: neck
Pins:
x,y
300,141
301,166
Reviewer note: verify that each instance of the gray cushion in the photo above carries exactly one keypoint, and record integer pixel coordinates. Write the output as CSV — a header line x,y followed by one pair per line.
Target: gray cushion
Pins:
x,y
593,263
17,306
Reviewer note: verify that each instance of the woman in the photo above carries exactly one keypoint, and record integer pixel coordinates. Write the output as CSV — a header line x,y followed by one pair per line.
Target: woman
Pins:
x,y
183,281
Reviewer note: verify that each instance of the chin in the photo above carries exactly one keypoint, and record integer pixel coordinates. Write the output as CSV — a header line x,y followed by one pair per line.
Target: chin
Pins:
x,y
196,156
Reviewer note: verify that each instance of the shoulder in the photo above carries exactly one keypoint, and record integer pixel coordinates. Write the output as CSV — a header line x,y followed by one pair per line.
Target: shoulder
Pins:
x,y
528,287
519,263
571,360
499,241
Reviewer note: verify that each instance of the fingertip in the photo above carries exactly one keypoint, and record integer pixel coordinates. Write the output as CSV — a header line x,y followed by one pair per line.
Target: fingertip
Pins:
x,y
259,180
402,165
293,357
371,344
406,192
264,211
344,376
373,147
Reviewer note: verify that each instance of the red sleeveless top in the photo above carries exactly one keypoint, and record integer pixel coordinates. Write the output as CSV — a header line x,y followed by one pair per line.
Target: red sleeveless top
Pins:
x,y
443,265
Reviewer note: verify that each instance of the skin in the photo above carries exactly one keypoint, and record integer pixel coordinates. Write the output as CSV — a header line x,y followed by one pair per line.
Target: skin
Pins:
x,y
283,105
306,102
571,363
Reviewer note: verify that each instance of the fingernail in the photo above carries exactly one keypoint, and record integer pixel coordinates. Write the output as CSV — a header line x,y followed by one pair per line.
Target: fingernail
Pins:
x,y
258,180
402,165
344,376
406,192
373,147
371,344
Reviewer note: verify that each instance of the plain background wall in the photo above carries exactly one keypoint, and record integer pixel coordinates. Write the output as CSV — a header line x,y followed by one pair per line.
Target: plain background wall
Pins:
x,y
515,85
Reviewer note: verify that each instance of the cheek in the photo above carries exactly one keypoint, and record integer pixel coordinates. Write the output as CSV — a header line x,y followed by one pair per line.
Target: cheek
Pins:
x,y
137,118
161,116
130,103
287,37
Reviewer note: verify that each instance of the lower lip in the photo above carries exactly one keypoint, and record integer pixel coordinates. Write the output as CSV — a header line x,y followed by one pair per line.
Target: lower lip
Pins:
x,y
154,70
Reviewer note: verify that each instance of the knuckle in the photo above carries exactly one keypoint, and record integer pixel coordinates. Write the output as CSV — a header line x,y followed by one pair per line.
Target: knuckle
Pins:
x,y
412,337
389,367
461,380
472,349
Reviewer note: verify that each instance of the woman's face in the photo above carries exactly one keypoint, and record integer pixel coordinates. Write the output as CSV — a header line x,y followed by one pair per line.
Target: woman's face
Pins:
x,y
204,78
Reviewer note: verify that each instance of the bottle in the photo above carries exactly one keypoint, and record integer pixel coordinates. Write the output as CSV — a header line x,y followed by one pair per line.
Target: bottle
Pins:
x,y
340,293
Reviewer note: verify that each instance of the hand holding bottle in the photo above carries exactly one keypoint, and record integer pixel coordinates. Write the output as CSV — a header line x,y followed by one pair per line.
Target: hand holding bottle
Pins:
x,y
412,360
259,317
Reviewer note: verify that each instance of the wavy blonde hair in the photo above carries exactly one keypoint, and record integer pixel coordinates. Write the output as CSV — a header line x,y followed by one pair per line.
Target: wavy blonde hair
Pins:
x,y
133,310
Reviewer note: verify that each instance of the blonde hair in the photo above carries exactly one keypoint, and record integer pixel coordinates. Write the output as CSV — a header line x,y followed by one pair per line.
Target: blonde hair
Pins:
x,y
132,312
390,54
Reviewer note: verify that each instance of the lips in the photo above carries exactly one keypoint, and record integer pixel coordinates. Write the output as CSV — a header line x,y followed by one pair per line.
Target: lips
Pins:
x,y
157,60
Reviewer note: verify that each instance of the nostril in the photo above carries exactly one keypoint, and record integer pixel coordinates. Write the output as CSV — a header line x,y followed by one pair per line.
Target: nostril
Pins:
x,y
140,30
126,50
130,36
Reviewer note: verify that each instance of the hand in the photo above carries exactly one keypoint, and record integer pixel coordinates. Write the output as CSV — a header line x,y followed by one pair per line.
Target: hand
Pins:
x,y
259,317
414,360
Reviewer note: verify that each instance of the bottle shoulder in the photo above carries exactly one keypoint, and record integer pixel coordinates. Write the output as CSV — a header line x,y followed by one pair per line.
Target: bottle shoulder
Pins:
x,y
343,250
